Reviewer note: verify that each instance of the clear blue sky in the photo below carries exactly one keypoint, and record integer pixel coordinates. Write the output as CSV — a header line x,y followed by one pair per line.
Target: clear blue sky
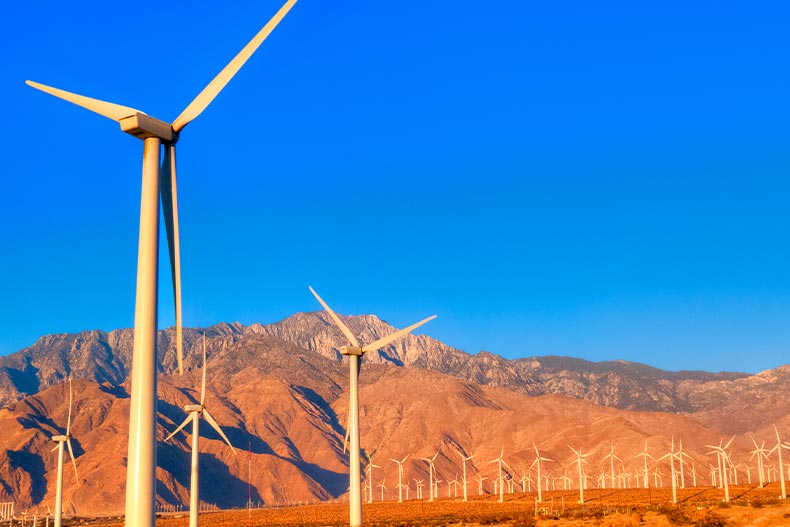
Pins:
x,y
605,180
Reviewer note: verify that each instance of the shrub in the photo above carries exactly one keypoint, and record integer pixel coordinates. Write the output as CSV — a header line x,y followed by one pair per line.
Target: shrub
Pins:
x,y
711,519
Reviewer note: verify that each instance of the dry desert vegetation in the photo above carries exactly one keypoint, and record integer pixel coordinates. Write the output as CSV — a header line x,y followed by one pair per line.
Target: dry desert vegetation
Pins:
x,y
699,507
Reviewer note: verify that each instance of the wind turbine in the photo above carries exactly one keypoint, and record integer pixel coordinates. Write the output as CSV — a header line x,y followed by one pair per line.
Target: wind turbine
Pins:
x,y
464,459
537,461
645,455
760,452
721,454
63,440
480,480
579,460
369,477
779,446
194,411
672,455
400,477
355,352
500,478
611,457
141,464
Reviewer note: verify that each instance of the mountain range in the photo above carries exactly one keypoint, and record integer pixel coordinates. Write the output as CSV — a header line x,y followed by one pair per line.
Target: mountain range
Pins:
x,y
280,392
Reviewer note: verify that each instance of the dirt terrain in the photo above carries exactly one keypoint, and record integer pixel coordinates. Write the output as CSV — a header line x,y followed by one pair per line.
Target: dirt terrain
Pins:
x,y
750,506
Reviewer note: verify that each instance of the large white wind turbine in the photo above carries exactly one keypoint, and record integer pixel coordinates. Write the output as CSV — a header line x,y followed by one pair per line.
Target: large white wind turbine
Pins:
x,y
141,460
355,352
63,440
194,412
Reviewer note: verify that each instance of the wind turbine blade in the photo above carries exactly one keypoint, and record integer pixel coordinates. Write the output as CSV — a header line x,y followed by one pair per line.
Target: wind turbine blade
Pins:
x,y
73,462
405,458
380,343
113,111
169,195
182,425
203,383
345,442
216,427
56,447
339,323
729,443
68,421
213,88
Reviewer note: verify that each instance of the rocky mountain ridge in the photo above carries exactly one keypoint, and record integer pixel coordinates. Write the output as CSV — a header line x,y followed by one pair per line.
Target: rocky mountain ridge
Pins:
x,y
106,357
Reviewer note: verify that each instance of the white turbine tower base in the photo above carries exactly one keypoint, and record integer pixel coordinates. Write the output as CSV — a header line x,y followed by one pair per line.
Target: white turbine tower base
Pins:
x,y
354,352
141,460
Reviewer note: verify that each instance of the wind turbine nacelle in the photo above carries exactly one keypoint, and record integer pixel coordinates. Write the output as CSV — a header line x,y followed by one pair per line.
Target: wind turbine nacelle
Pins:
x,y
193,408
60,439
143,126
351,350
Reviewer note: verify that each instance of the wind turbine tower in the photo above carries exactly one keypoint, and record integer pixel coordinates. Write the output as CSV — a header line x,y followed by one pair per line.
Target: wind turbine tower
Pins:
x,y
141,459
354,352
62,440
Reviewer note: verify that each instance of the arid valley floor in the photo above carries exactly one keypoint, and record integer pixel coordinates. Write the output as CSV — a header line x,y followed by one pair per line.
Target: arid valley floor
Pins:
x,y
750,506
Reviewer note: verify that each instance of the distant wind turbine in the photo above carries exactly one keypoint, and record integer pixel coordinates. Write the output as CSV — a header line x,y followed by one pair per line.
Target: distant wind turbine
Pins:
x,y
779,446
500,462
63,440
355,352
579,460
611,457
194,412
537,461
400,477
141,459
464,459
721,454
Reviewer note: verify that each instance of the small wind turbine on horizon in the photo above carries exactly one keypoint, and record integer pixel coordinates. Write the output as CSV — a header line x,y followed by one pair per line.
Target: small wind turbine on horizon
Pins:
x,y
61,440
672,455
141,460
354,352
194,412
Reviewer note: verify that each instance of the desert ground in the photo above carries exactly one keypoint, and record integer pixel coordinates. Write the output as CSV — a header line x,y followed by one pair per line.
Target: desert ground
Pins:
x,y
750,506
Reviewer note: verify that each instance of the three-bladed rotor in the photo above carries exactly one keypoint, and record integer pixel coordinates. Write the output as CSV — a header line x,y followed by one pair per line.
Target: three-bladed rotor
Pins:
x,y
143,126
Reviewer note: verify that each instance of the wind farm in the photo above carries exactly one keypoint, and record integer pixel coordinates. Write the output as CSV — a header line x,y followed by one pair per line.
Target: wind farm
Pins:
x,y
598,227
